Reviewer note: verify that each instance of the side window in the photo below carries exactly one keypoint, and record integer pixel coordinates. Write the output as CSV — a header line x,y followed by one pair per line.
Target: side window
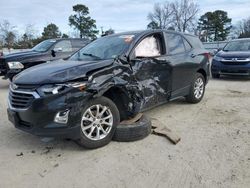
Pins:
x,y
151,46
175,43
188,47
63,46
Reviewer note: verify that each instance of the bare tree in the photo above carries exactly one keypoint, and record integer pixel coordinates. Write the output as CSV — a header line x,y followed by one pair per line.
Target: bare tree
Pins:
x,y
184,14
31,31
161,16
7,33
245,28
241,29
180,15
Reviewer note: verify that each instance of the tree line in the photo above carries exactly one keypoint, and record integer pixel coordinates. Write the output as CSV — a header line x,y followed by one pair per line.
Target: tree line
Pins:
x,y
181,15
80,21
178,15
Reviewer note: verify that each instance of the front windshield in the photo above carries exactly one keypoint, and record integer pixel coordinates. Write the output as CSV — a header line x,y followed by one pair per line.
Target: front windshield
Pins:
x,y
238,46
108,47
43,46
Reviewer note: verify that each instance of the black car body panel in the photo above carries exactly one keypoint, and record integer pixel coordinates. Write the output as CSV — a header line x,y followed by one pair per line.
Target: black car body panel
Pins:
x,y
134,84
31,58
59,71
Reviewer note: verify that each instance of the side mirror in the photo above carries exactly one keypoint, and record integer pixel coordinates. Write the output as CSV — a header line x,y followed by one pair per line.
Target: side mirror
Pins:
x,y
53,53
123,58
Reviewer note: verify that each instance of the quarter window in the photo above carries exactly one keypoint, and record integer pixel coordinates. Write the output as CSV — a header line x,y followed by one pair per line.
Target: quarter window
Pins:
x,y
175,43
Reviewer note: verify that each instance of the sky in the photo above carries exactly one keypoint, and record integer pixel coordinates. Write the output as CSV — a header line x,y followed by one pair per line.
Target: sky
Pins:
x,y
121,15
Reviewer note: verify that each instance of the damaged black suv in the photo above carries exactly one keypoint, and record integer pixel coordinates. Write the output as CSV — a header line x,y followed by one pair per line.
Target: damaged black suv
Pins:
x,y
111,79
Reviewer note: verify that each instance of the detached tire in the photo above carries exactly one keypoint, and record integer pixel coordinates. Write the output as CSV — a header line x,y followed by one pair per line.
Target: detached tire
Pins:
x,y
197,89
98,123
133,132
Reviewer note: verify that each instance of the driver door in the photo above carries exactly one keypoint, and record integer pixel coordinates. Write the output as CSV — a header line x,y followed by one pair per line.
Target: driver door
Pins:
x,y
151,70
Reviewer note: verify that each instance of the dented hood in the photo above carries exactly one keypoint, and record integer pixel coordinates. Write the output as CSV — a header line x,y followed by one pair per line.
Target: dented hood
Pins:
x,y
59,71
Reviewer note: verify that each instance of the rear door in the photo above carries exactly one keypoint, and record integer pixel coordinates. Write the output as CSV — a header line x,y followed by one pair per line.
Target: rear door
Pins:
x,y
180,57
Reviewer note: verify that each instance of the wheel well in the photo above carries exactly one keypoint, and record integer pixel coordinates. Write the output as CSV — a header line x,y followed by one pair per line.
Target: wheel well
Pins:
x,y
121,100
203,73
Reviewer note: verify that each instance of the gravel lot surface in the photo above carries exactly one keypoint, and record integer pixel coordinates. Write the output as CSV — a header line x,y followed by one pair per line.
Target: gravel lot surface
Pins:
x,y
214,150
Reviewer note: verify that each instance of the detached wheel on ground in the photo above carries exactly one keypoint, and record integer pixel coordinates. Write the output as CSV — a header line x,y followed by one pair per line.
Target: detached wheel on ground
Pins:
x,y
197,89
134,131
215,75
99,120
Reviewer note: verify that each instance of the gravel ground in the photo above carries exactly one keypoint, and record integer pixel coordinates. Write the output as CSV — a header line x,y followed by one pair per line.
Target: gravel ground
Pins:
x,y
214,150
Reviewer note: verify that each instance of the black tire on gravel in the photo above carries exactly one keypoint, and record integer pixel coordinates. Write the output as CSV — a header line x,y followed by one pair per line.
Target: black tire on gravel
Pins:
x,y
191,98
93,144
133,132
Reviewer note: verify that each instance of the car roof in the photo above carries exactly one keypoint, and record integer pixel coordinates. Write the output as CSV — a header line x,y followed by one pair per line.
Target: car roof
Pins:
x,y
148,31
59,39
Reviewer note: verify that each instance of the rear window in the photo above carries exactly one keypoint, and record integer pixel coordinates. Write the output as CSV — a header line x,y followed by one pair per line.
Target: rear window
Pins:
x,y
195,41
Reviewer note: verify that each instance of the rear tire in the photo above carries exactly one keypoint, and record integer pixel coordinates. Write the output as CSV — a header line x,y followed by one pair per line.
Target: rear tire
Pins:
x,y
197,89
99,120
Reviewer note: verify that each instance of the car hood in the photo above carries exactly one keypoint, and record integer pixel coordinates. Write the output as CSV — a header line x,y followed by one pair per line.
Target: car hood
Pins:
x,y
59,71
234,54
20,56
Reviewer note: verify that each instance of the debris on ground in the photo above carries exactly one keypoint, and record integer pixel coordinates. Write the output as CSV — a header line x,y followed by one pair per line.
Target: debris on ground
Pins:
x,y
19,154
41,175
234,91
47,139
158,128
132,120
47,149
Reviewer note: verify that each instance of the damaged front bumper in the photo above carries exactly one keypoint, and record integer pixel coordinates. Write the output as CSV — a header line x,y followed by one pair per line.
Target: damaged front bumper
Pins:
x,y
40,117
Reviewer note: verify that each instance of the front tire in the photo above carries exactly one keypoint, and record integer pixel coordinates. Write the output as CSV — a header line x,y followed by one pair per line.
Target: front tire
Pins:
x,y
99,120
197,89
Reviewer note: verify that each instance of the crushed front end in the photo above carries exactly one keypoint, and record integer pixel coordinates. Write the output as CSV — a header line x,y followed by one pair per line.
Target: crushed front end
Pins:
x,y
48,111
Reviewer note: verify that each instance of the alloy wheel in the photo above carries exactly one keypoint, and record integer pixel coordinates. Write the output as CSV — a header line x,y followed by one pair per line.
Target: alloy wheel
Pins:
x,y
97,122
198,88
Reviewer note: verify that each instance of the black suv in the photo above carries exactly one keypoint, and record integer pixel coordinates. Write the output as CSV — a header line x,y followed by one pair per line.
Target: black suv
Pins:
x,y
107,81
48,50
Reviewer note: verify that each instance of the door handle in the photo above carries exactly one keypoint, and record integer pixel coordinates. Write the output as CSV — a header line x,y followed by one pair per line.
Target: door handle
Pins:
x,y
193,55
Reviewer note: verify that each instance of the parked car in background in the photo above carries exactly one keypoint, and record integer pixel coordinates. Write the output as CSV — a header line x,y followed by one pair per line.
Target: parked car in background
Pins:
x,y
48,50
111,79
233,59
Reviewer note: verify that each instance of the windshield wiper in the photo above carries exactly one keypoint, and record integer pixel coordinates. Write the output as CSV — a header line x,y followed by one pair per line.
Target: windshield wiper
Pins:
x,y
91,55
